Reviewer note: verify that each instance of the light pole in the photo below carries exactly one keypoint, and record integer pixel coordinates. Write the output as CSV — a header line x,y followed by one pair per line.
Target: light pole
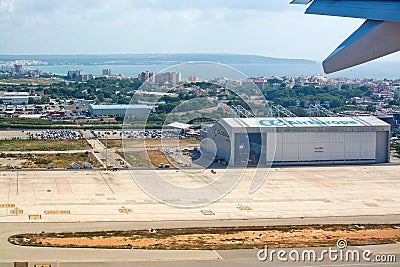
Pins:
x,y
107,147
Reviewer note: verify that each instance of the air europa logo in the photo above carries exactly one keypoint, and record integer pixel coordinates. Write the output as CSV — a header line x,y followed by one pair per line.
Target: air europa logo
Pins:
x,y
278,122
327,122
275,122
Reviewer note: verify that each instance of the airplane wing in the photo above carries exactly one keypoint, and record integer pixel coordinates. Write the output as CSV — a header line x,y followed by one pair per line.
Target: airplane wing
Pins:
x,y
377,37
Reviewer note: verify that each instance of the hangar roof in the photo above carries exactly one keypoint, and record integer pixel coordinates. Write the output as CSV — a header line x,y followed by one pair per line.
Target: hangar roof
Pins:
x,y
179,125
359,121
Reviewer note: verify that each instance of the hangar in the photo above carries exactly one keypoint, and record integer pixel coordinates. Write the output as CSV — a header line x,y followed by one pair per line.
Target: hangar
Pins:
x,y
299,141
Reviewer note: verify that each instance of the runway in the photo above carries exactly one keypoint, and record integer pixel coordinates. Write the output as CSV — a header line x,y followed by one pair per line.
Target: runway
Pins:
x,y
93,200
295,192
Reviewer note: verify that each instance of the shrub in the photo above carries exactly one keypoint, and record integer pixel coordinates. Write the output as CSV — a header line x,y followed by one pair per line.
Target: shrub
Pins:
x,y
42,161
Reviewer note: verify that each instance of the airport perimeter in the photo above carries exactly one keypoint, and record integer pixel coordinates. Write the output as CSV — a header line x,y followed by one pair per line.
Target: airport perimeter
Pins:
x,y
289,192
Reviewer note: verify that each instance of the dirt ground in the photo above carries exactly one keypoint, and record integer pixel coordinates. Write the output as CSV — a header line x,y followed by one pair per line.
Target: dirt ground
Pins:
x,y
220,238
153,155
136,158
157,157
146,158
149,143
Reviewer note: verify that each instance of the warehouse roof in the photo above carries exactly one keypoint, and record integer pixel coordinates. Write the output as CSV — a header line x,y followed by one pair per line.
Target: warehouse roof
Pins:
x,y
179,125
360,121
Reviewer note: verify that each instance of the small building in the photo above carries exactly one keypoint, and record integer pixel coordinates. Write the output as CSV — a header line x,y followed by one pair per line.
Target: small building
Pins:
x,y
55,114
118,110
299,141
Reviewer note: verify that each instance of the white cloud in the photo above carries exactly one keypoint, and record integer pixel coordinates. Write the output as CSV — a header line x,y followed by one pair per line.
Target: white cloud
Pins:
x,y
6,6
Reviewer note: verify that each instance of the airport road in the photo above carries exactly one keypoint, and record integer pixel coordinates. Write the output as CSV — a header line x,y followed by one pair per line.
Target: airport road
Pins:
x,y
102,153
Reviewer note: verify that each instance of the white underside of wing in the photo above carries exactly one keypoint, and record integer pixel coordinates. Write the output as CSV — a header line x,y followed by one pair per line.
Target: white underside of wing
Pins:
x,y
372,40
377,37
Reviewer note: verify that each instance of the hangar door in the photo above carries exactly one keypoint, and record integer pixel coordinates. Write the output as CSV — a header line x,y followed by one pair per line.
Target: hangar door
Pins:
x,y
382,144
250,149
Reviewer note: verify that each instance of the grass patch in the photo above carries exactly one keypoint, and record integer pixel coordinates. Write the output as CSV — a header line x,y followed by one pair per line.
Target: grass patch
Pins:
x,y
43,145
59,160
112,143
32,123
136,158
62,160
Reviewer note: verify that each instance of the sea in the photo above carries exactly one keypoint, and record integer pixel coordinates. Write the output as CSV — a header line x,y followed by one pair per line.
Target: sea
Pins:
x,y
372,70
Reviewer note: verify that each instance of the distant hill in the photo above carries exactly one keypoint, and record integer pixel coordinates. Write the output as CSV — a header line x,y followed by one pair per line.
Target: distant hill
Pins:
x,y
148,59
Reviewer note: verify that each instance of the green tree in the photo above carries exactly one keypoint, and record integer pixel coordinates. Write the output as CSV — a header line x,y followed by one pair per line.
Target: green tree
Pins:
x,y
370,108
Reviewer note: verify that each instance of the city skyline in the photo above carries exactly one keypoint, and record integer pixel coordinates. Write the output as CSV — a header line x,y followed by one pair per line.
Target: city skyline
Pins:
x,y
269,28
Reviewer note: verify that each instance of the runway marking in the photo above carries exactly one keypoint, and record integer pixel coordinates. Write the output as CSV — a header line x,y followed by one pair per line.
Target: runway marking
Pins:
x,y
35,217
369,204
7,205
241,207
63,186
207,212
21,264
218,255
125,210
57,212
105,180
16,211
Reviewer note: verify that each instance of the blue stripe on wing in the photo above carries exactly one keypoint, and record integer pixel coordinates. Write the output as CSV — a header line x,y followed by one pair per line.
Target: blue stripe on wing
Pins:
x,y
385,10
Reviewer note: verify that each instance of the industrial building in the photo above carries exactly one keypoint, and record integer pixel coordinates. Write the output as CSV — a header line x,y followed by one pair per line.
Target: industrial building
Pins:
x,y
17,98
298,141
118,110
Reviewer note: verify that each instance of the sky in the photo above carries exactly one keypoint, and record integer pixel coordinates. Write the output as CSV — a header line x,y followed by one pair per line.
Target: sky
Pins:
x,y
260,27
